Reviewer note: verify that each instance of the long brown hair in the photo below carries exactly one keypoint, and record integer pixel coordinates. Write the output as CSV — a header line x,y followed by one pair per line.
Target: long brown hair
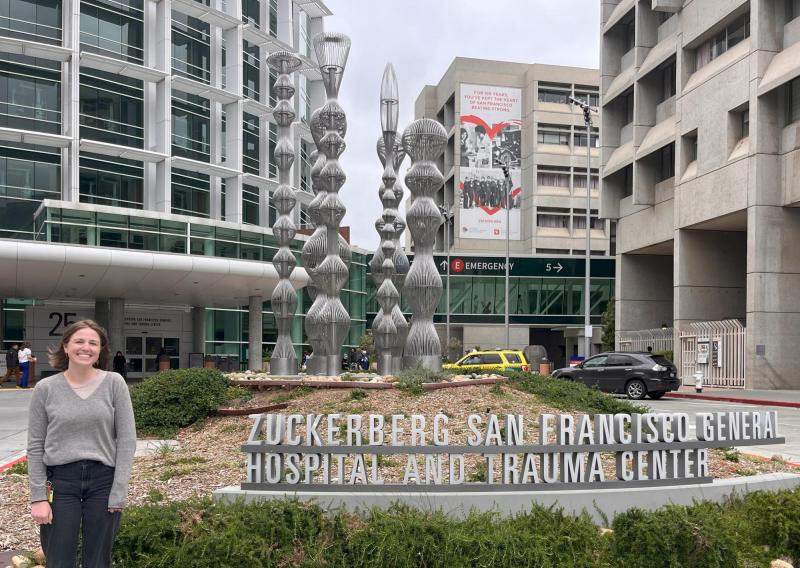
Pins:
x,y
58,356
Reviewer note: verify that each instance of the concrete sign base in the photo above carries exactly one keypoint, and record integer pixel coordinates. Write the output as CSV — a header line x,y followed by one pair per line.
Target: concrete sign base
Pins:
x,y
608,502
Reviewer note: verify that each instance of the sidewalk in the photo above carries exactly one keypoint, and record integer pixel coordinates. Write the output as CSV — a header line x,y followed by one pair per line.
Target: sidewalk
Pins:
x,y
787,398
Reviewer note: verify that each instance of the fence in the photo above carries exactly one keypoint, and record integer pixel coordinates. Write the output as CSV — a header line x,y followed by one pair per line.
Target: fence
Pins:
x,y
717,348
659,339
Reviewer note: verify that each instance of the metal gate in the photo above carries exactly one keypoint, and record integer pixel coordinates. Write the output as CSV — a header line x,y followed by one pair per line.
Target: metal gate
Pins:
x,y
722,345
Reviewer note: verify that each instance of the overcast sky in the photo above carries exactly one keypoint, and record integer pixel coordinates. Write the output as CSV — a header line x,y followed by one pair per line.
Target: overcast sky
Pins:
x,y
421,38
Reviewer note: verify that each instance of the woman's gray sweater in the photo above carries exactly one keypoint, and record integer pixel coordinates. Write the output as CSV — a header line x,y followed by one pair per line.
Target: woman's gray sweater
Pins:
x,y
64,428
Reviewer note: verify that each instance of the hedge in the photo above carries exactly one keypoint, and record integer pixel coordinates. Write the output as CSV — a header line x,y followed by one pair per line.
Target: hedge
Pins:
x,y
748,531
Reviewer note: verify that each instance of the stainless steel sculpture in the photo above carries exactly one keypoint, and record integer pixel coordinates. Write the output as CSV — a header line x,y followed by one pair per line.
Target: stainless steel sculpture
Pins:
x,y
424,141
389,263
314,250
328,254
284,297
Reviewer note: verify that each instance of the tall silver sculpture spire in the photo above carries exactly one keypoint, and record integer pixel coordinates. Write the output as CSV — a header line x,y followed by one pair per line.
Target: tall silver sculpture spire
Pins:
x,y
424,141
284,296
389,327
327,319
314,251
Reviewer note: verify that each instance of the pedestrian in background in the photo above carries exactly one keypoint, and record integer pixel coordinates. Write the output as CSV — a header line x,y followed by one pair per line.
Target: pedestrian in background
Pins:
x,y
81,440
120,365
25,358
12,364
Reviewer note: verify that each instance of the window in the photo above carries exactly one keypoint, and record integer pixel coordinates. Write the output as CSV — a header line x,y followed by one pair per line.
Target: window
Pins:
x,y
629,33
111,181
251,12
250,135
736,32
579,178
553,176
250,86
190,193
305,100
583,92
620,361
305,218
222,193
552,218
30,93
305,167
191,48
491,359
579,219
666,162
303,32
599,361
793,101
579,137
668,81
191,116
114,28
273,141
554,93
553,134
34,20
111,108
744,123
273,18
512,358
250,205
273,99
28,174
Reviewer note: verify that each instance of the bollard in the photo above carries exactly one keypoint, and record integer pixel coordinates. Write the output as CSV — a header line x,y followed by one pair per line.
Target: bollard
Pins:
x,y
698,381
544,367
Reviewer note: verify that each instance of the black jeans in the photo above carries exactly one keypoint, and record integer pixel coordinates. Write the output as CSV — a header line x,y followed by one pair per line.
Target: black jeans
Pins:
x,y
80,501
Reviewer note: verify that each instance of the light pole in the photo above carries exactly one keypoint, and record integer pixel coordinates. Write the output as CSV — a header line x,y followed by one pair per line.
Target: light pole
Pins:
x,y
587,118
445,211
505,163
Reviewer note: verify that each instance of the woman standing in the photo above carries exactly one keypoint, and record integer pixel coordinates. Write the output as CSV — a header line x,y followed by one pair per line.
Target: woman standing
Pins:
x,y
81,440
120,365
24,357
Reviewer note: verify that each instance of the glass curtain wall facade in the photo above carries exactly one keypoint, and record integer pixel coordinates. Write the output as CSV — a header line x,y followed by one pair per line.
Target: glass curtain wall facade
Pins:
x,y
139,162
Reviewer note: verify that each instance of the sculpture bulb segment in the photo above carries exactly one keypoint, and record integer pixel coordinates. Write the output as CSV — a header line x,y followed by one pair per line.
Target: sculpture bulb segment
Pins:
x,y
284,296
424,141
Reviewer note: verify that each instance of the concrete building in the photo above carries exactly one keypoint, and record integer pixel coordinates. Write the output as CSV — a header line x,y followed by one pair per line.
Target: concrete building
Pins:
x,y
136,141
700,164
524,110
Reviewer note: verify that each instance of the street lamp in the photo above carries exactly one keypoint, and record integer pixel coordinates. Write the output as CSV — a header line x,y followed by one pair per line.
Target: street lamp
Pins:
x,y
505,163
448,217
587,118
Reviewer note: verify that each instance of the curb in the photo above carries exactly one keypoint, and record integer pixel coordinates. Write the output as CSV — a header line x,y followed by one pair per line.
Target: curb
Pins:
x,y
740,400
14,460
260,384
253,410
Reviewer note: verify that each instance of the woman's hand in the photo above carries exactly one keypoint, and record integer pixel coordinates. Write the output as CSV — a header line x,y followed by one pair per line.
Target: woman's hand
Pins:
x,y
41,512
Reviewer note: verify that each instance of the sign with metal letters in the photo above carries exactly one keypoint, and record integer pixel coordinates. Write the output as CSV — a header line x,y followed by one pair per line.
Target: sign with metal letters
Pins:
x,y
326,452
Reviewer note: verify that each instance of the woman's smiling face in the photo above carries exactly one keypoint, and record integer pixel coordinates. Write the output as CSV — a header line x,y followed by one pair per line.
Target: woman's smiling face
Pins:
x,y
83,347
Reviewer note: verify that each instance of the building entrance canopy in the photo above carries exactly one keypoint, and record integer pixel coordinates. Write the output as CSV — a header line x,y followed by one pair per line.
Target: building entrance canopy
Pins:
x,y
54,271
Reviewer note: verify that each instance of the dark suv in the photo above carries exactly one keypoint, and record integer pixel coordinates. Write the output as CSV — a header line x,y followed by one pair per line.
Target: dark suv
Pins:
x,y
635,374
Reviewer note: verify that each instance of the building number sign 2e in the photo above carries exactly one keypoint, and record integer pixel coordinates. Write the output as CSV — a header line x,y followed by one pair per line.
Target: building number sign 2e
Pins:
x,y
61,320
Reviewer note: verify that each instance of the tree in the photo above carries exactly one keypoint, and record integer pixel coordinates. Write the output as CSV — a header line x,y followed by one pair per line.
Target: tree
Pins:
x,y
609,326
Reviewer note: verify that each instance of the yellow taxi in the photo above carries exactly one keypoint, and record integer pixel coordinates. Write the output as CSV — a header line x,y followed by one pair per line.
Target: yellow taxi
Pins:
x,y
497,360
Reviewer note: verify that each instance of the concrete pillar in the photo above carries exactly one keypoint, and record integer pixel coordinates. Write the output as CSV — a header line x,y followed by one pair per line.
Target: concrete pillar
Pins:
x,y
116,325
101,312
254,359
198,330
710,276
643,296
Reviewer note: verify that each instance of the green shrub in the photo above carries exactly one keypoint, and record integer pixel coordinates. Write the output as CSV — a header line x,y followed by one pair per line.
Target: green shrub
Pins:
x,y
749,531
411,380
178,398
668,353
570,396
358,394
237,395
19,468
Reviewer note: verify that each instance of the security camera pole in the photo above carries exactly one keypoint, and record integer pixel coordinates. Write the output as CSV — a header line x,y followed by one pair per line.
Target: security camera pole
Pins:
x,y
587,118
